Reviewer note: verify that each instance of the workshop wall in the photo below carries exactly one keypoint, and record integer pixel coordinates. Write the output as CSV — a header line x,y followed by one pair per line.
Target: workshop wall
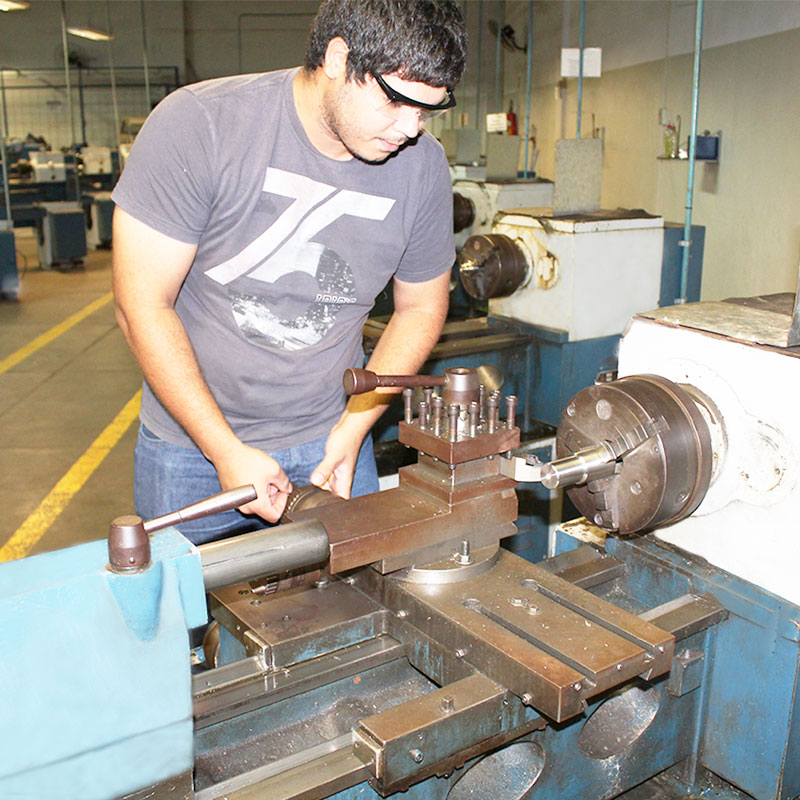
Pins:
x,y
750,201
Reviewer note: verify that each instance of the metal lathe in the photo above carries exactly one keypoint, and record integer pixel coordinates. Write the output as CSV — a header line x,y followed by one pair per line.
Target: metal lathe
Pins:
x,y
389,643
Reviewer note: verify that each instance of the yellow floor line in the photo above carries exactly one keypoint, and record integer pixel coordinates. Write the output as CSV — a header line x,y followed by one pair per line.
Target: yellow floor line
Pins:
x,y
35,526
53,333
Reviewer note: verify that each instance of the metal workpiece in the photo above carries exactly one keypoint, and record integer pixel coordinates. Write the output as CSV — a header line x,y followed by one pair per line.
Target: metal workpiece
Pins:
x,y
267,552
591,463
128,535
637,450
492,265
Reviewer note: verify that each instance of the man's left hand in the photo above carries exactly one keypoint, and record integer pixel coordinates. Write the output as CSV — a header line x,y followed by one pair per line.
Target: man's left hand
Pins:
x,y
335,471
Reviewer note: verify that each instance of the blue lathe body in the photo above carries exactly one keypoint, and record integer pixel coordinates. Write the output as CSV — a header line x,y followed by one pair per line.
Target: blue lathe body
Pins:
x,y
387,644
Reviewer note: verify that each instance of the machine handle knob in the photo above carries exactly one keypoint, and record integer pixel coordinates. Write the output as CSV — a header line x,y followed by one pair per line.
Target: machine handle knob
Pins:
x,y
128,539
358,381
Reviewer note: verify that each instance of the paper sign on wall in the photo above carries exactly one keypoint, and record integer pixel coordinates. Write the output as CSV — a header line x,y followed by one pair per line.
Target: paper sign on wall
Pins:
x,y
592,61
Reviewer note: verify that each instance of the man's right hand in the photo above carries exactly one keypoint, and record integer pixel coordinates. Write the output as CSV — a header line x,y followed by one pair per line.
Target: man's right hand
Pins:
x,y
247,464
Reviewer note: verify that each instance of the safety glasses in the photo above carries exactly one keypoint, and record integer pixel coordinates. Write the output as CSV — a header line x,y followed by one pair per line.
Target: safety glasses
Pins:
x,y
397,104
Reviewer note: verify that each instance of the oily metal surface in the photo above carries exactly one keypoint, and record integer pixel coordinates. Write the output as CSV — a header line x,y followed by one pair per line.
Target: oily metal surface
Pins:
x,y
658,482
410,517
491,265
545,639
297,624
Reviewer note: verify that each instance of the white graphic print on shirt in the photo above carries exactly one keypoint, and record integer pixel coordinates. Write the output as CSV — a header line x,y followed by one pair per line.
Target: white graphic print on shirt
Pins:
x,y
286,247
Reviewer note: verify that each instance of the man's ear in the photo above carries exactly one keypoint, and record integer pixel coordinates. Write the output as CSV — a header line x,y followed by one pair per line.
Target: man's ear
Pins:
x,y
335,62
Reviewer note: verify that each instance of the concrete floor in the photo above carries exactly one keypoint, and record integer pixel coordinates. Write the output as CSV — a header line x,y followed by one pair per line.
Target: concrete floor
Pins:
x,y
55,402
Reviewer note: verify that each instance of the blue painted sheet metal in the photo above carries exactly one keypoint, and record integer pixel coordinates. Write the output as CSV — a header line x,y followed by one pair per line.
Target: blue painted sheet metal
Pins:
x,y
751,735
95,658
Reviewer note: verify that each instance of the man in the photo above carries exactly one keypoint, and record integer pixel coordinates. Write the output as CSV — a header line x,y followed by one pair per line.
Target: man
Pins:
x,y
257,219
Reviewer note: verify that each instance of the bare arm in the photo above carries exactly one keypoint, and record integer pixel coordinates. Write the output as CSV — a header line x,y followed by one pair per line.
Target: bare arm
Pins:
x,y
149,269
413,330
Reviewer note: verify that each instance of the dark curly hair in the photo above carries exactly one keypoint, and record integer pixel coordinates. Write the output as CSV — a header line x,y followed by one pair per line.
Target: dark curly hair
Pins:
x,y
419,40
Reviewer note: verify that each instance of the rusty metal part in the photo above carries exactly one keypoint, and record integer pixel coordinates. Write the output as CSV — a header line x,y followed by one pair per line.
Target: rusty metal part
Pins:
x,y
662,448
128,545
551,643
463,212
359,381
464,448
434,504
460,384
491,265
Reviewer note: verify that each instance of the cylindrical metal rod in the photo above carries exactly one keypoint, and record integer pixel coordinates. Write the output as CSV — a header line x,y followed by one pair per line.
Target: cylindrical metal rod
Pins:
x,y
580,467
224,501
268,552
687,227
358,381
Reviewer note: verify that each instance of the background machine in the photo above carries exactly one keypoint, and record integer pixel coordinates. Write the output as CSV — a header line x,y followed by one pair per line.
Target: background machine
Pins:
x,y
388,643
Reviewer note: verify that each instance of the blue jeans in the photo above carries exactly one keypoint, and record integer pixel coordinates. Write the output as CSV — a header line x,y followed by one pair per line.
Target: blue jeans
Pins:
x,y
167,477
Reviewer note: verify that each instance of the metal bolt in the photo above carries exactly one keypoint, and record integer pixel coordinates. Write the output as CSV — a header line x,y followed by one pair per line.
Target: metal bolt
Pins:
x,y
448,705
460,653
511,410
438,407
603,409
527,699
427,393
491,412
423,415
635,487
577,686
417,756
452,418
464,555
255,602
481,399
598,519
408,399
474,418
402,613
571,410
517,602
534,610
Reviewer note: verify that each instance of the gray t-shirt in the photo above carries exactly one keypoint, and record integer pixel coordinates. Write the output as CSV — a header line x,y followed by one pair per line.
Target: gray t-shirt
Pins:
x,y
292,248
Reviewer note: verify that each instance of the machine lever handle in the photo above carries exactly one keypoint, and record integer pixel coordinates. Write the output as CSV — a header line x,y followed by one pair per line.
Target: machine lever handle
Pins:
x,y
224,501
358,381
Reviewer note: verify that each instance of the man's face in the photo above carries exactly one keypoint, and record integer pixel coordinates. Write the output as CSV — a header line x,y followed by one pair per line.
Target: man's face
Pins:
x,y
370,125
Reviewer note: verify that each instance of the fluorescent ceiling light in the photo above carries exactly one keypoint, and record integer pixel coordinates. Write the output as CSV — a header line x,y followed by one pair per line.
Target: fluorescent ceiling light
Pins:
x,y
13,5
88,33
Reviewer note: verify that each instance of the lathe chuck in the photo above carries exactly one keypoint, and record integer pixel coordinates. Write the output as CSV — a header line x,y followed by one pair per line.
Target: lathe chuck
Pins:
x,y
663,449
